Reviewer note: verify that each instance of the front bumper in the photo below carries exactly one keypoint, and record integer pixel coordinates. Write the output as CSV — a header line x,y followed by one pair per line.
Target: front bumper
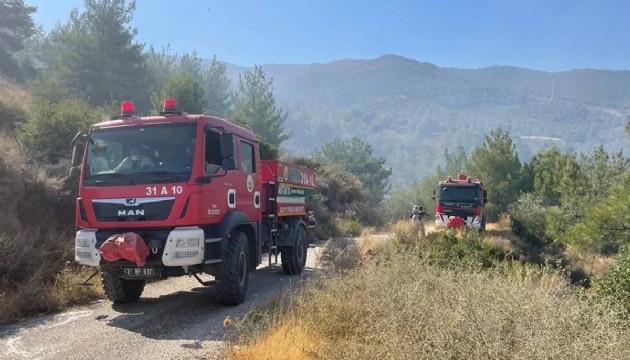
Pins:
x,y
473,222
184,246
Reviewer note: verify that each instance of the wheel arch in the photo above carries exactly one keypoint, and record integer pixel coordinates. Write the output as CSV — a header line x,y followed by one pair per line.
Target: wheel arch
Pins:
x,y
287,236
238,221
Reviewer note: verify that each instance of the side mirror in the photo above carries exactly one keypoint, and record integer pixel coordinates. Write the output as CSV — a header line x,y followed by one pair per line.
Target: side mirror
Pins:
x,y
77,145
74,172
226,140
433,197
485,196
77,155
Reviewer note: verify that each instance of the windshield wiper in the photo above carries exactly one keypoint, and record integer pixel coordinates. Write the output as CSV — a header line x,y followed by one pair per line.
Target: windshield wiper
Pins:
x,y
163,176
102,179
117,175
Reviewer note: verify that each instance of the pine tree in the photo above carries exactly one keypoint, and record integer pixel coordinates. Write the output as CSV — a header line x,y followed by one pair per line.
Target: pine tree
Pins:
x,y
188,93
190,63
555,176
95,54
255,106
16,26
217,87
161,65
497,164
356,157
456,161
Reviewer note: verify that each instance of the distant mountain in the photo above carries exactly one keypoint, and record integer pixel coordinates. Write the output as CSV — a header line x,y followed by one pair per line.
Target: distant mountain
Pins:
x,y
411,111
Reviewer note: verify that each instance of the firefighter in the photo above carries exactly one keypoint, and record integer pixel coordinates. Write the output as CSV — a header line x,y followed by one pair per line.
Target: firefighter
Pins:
x,y
417,213
98,163
135,161
416,219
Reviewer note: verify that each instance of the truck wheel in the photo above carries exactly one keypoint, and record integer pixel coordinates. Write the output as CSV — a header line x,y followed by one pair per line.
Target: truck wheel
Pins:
x,y
233,277
294,257
483,224
119,290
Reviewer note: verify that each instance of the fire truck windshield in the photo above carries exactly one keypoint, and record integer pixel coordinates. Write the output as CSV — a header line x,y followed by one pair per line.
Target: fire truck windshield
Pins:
x,y
140,154
459,194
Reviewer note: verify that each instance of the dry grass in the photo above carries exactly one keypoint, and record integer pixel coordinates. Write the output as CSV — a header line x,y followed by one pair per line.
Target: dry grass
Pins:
x,y
14,105
340,254
595,265
499,236
403,309
38,297
368,231
68,289
36,240
398,306
274,344
13,95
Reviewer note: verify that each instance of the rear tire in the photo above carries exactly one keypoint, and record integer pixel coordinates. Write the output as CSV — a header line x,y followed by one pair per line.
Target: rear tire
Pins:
x,y
294,257
119,290
233,278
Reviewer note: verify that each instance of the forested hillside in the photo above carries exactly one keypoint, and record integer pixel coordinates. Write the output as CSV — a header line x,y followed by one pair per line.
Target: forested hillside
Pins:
x,y
410,111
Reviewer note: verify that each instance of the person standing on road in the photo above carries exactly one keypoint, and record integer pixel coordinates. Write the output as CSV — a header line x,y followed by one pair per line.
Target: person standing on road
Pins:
x,y
417,213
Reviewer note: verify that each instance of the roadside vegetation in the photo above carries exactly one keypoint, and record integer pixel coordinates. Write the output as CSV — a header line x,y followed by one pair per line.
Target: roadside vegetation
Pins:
x,y
36,270
446,295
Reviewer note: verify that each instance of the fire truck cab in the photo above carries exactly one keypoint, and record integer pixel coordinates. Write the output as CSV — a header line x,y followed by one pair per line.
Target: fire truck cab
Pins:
x,y
459,203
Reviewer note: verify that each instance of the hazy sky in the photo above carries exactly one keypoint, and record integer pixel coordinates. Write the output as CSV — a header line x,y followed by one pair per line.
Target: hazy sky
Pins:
x,y
540,34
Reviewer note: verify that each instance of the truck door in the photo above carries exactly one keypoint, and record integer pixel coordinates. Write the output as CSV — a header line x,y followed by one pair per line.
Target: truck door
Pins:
x,y
247,181
219,196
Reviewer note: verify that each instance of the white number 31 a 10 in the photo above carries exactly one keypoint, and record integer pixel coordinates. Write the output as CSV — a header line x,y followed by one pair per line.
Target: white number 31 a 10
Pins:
x,y
164,190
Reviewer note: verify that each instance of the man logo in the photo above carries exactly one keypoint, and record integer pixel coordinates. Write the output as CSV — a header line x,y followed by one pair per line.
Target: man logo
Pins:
x,y
131,202
136,212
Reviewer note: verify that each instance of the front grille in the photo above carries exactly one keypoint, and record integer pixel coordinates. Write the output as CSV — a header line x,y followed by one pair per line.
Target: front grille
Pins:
x,y
108,212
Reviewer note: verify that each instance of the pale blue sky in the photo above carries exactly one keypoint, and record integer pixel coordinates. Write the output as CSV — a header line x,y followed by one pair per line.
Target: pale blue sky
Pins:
x,y
538,34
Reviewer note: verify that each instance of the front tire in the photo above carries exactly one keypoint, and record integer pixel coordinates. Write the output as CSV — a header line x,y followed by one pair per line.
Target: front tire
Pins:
x,y
294,257
119,290
233,278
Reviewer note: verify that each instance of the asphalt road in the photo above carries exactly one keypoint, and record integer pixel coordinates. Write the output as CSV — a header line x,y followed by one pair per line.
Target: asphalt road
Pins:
x,y
175,319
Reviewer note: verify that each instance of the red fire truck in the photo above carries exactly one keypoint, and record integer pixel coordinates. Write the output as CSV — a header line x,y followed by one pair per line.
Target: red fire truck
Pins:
x,y
179,194
460,202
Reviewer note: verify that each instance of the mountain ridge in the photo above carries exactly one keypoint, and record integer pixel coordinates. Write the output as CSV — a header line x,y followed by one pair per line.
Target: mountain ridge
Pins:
x,y
411,110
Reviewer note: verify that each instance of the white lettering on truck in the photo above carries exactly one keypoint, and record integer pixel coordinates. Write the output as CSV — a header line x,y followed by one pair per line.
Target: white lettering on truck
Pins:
x,y
136,212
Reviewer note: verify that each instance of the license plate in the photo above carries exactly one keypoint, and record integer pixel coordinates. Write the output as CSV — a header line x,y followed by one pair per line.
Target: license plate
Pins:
x,y
140,272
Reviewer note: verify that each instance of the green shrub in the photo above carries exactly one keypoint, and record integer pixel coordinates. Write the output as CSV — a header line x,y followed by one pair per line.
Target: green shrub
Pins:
x,y
529,220
614,286
447,249
52,126
348,226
